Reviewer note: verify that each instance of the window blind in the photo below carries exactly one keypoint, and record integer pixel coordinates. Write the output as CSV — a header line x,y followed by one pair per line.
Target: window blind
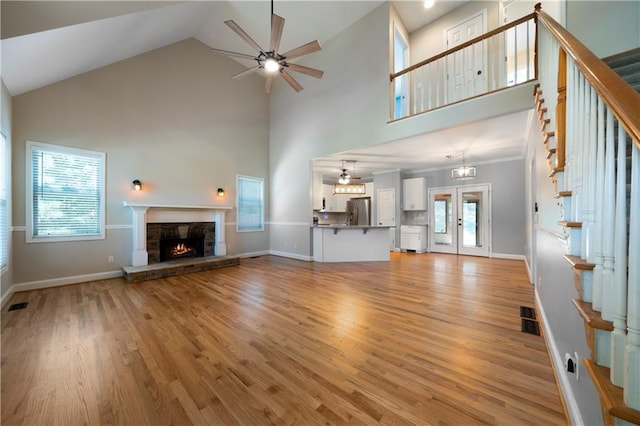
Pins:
x,y
67,192
250,204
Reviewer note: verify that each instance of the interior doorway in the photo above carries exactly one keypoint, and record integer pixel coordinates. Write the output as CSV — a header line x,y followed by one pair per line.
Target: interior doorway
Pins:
x,y
459,220
466,68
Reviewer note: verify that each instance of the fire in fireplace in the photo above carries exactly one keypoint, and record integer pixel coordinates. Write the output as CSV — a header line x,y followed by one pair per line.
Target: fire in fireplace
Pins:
x,y
178,248
167,241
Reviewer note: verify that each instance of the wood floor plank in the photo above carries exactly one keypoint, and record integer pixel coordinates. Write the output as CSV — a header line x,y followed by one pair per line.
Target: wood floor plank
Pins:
x,y
424,339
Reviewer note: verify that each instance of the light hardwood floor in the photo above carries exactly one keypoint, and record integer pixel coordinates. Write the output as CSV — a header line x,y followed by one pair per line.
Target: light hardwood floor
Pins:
x,y
423,339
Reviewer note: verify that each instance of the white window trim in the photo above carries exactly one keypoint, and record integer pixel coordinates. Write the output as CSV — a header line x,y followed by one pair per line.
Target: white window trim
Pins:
x,y
29,193
257,179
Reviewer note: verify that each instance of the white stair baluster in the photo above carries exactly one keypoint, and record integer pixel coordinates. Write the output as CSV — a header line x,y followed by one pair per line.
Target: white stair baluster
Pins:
x,y
632,358
619,336
599,172
608,225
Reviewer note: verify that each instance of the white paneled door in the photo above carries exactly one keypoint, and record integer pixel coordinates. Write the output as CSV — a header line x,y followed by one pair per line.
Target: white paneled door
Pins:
x,y
466,74
386,207
459,220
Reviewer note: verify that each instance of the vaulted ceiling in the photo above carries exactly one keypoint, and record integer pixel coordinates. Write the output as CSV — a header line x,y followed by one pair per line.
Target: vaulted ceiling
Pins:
x,y
48,41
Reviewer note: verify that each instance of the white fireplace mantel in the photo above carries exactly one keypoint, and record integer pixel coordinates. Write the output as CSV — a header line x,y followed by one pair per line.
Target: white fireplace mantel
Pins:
x,y
144,213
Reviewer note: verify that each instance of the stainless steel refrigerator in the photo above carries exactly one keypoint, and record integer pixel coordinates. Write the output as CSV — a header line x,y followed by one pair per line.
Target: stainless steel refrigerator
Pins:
x,y
359,211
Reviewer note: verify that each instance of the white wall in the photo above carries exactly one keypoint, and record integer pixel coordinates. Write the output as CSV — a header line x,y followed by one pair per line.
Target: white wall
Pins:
x,y
605,27
172,118
430,40
6,279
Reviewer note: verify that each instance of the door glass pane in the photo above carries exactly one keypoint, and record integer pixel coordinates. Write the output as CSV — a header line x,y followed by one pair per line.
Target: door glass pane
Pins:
x,y
443,219
471,232
440,216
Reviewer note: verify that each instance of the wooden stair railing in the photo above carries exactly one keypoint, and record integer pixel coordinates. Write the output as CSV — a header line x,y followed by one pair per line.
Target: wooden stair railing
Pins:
x,y
617,94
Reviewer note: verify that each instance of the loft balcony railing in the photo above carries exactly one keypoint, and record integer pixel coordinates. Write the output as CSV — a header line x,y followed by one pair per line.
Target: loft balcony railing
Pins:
x,y
494,61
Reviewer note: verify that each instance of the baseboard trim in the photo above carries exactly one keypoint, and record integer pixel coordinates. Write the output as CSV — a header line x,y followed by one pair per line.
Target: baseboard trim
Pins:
x,y
57,282
6,297
570,404
253,254
529,272
508,256
291,255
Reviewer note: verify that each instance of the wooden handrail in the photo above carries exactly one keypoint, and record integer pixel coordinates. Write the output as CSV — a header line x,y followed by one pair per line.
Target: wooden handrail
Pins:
x,y
464,45
619,96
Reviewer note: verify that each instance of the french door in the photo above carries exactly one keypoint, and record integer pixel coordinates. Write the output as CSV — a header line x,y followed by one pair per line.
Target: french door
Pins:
x,y
459,220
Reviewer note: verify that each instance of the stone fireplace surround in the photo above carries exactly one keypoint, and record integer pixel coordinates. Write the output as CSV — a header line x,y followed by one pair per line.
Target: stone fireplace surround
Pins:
x,y
144,213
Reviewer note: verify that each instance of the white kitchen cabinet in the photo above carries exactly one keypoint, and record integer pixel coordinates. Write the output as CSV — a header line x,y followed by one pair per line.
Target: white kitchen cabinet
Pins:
x,y
414,194
332,202
329,199
316,191
368,188
341,202
413,238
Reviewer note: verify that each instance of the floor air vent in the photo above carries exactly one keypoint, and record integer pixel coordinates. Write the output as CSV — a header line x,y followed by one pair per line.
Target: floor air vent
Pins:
x,y
527,312
17,306
528,320
530,326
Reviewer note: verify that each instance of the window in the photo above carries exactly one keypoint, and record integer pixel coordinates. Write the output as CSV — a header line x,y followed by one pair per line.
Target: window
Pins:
x,y
65,193
4,201
400,62
250,204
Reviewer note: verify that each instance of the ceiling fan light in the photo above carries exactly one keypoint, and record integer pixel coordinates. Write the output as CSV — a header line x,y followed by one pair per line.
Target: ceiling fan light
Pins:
x,y
271,65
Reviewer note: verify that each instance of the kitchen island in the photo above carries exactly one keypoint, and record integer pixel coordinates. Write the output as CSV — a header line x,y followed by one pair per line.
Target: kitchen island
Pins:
x,y
344,243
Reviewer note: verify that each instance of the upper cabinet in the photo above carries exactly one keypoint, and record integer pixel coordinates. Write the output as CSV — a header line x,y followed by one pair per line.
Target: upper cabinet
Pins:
x,y
414,194
316,191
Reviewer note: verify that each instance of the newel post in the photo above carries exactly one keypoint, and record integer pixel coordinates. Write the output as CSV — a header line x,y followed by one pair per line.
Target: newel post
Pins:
x,y
561,109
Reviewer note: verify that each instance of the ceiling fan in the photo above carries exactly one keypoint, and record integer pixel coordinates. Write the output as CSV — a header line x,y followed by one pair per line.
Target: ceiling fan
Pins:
x,y
272,61
345,177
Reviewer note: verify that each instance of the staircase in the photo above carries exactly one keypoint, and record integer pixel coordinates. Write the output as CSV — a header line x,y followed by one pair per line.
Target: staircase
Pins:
x,y
591,157
627,66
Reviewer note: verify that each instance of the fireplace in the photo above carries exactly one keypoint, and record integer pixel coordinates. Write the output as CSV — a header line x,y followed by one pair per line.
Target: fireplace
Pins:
x,y
179,248
170,241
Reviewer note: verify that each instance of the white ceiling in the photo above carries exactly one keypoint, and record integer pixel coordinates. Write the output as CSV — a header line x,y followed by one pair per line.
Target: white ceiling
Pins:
x,y
59,40
487,141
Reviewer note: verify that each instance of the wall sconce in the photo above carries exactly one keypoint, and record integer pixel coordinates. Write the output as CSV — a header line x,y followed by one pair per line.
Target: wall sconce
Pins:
x,y
137,185
220,192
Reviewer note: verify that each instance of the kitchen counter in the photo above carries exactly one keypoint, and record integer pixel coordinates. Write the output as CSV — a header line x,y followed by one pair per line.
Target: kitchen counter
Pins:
x,y
340,226
346,243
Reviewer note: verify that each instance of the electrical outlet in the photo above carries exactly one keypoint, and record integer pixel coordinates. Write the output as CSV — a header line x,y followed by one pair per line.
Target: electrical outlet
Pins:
x,y
110,259
570,364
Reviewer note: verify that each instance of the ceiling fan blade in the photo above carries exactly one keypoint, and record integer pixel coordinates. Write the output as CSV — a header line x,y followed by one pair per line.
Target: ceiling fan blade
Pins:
x,y
267,83
233,54
248,71
236,28
292,81
305,49
306,70
277,26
